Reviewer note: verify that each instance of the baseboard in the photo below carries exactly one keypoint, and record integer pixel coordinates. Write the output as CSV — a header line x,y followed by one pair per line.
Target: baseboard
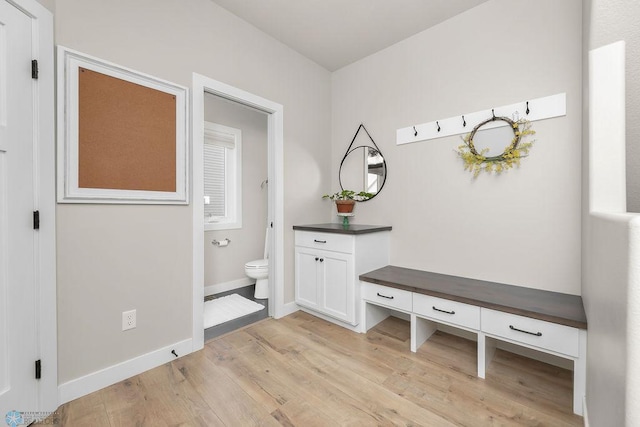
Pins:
x,y
105,377
584,411
287,309
228,286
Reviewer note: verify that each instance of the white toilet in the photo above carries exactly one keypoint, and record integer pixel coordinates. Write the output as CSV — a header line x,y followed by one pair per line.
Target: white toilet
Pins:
x,y
259,270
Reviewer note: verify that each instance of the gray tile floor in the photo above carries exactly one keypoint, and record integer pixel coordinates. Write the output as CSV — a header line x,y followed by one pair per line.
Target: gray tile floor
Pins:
x,y
234,324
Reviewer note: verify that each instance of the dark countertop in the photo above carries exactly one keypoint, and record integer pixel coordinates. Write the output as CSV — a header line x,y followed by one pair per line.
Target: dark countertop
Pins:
x,y
564,309
341,229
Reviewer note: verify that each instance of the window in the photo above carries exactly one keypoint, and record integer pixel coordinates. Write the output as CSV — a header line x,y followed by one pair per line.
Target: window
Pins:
x,y
222,177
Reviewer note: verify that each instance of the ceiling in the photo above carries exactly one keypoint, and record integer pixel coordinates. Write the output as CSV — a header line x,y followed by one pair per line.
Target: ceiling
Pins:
x,y
335,33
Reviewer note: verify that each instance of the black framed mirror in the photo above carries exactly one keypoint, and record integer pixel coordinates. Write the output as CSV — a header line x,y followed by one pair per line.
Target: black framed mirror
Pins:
x,y
363,168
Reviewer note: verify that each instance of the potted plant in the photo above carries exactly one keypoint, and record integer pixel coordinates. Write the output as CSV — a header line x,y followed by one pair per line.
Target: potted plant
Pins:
x,y
346,199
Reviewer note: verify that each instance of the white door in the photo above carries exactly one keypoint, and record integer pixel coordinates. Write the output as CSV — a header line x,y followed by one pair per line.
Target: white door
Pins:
x,y
306,277
337,285
18,240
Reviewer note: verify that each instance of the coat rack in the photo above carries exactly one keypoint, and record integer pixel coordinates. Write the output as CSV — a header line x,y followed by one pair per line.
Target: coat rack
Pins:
x,y
532,110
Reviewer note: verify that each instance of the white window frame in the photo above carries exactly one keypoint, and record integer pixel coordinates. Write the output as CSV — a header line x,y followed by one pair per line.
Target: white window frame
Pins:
x,y
228,137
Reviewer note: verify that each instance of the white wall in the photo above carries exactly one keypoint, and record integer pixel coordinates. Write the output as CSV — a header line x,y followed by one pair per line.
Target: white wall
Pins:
x,y
521,228
611,238
609,293
116,258
226,264
49,4
607,21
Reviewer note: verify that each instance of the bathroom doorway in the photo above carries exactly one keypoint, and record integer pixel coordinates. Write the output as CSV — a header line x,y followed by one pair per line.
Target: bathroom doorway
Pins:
x,y
235,214
212,103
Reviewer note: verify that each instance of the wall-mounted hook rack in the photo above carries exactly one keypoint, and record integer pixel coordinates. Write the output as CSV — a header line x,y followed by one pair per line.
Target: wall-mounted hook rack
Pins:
x,y
535,109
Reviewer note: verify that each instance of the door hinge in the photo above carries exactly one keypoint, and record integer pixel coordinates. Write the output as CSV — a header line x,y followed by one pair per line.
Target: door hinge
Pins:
x,y
34,69
36,220
38,369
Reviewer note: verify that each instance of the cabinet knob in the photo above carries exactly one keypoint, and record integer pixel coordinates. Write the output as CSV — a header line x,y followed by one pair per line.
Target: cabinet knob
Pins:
x,y
321,259
317,258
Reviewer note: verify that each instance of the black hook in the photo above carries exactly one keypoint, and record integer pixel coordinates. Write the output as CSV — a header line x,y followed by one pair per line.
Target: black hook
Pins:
x,y
438,124
493,113
415,132
464,122
174,353
527,108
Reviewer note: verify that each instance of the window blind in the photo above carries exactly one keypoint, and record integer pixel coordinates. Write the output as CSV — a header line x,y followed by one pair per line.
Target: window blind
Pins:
x,y
215,180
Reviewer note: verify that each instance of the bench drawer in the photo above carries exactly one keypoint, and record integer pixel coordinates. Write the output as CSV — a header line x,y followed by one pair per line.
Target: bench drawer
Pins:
x,y
538,333
325,241
390,297
453,312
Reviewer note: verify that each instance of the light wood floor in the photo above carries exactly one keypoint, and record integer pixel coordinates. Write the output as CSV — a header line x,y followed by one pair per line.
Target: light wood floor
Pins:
x,y
303,371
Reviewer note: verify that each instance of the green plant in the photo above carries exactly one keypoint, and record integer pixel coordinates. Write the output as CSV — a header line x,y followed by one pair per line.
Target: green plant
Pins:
x,y
349,195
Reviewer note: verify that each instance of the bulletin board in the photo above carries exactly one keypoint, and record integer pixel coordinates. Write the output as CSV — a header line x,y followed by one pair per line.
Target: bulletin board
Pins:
x,y
124,133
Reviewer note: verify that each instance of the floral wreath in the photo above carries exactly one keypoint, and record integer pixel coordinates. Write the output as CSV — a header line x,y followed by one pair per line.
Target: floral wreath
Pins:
x,y
477,162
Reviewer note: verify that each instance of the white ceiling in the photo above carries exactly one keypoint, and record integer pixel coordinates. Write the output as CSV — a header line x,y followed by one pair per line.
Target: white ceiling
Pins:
x,y
335,33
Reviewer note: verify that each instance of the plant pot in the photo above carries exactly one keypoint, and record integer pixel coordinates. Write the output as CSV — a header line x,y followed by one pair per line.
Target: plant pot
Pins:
x,y
345,206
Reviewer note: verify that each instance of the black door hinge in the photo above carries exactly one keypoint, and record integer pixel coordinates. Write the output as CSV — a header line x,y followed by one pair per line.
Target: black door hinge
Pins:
x,y
34,69
36,220
38,369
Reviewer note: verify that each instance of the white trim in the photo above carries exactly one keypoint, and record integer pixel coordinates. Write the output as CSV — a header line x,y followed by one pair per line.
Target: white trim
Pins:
x,y
586,414
228,286
44,131
200,84
105,377
69,191
289,308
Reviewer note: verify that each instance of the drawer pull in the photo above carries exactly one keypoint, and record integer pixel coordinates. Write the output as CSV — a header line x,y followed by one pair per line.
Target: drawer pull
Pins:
x,y
537,334
383,296
443,311
319,241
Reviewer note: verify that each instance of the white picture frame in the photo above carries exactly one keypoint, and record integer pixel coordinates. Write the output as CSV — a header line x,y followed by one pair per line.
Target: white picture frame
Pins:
x,y
69,62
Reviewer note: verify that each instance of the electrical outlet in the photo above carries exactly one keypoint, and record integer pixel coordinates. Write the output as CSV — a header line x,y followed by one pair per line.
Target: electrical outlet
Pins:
x,y
128,320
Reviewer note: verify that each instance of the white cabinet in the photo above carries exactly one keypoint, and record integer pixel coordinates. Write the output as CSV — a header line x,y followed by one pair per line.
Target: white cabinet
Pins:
x,y
327,266
491,326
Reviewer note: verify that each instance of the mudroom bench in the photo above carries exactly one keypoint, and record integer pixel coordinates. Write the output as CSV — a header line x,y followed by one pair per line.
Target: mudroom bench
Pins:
x,y
546,321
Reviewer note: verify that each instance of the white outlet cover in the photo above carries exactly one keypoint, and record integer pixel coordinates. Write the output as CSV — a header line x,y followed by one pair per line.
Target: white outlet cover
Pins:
x,y
128,320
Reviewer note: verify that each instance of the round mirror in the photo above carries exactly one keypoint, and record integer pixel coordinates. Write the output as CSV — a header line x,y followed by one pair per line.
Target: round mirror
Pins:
x,y
493,142
363,169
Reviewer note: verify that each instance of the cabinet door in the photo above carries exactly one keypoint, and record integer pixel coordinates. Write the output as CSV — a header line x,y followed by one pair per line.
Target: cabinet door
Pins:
x,y
306,281
337,288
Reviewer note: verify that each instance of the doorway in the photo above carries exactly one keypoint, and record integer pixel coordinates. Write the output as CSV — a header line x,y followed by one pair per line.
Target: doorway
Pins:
x,y
235,215
204,86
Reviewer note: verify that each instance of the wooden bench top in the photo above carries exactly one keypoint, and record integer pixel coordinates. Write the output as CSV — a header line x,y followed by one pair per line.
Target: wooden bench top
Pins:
x,y
553,307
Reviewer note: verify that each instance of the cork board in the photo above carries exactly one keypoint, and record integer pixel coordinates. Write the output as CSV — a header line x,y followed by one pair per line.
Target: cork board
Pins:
x,y
126,135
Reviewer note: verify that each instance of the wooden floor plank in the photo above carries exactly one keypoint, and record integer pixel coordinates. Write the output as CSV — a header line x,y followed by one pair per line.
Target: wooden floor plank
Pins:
x,y
303,371
329,399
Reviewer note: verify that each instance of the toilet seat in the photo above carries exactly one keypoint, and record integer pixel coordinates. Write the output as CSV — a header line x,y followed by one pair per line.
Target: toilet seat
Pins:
x,y
259,263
